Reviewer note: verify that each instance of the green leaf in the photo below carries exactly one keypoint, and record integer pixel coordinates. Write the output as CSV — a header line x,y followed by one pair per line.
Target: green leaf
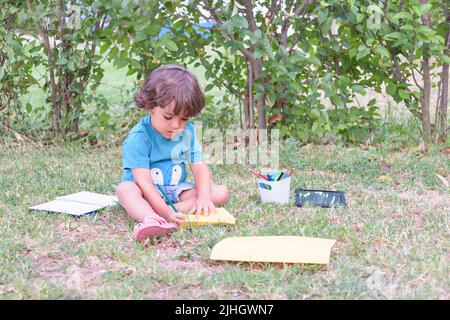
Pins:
x,y
393,36
382,51
131,71
209,87
443,58
362,53
29,107
315,126
258,53
169,44
325,115
239,22
61,61
391,89
141,36
437,39
424,8
407,27
71,66
375,8
362,47
322,15
258,95
158,52
326,26
315,61
352,52
106,32
153,29
337,101
359,89
12,10
344,80
104,47
315,113
372,102
425,30
403,15
120,63
104,118
403,94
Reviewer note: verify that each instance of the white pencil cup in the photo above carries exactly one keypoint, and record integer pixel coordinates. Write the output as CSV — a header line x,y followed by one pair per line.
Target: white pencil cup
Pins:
x,y
274,191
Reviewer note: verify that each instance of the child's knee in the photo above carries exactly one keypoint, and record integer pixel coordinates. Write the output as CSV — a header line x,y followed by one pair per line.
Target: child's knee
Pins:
x,y
223,195
127,188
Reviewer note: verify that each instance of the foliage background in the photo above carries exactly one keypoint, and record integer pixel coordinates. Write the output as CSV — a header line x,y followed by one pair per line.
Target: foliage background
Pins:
x,y
343,82
321,71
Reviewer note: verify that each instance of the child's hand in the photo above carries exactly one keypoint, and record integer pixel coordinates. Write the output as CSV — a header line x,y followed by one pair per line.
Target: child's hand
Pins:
x,y
205,204
175,217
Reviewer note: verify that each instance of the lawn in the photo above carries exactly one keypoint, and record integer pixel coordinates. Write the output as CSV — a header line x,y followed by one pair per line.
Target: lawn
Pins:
x,y
392,240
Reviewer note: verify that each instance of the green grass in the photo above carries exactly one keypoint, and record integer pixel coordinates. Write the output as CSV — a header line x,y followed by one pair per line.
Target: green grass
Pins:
x,y
392,241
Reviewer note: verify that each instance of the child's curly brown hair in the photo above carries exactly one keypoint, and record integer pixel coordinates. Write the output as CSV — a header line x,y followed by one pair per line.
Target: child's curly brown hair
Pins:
x,y
171,83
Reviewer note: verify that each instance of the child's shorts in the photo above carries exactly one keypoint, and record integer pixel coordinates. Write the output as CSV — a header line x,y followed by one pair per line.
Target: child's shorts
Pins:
x,y
173,192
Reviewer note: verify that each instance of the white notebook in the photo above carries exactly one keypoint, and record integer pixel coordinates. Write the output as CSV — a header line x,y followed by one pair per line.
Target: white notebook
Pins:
x,y
78,204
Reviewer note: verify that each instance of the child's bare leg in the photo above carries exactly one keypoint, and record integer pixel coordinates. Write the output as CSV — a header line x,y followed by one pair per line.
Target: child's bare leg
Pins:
x,y
219,196
186,205
130,197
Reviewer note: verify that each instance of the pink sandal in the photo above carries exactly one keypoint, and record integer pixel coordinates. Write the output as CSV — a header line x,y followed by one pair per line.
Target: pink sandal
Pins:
x,y
151,228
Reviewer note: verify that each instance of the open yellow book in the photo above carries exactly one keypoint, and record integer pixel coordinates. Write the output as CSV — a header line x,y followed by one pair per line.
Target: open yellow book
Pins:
x,y
222,216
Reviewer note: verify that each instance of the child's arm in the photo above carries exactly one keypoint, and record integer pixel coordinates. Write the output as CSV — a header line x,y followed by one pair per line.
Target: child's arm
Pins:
x,y
202,178
143,179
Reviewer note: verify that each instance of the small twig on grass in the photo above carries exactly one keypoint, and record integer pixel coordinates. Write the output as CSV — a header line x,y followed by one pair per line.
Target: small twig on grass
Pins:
x,y
17,135
109,225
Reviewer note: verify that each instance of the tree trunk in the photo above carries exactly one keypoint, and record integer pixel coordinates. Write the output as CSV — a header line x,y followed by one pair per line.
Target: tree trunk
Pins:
x,y
246,124
441,112
256,65
425,99
75,121
257,71
51,65
249,121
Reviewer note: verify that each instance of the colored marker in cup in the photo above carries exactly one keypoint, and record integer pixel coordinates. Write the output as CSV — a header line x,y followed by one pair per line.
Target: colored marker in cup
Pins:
x,y
257,174
291,172
279,177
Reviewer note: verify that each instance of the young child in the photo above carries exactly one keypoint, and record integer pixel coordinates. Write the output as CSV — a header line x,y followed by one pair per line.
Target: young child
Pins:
x,y
156,151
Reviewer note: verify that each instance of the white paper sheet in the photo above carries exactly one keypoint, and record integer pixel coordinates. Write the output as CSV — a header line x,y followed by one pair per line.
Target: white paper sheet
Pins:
x,y
77,203
91,198
69,207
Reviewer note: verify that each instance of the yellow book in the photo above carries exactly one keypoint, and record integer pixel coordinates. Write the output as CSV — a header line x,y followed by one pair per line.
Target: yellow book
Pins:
x,y
222,216
277,249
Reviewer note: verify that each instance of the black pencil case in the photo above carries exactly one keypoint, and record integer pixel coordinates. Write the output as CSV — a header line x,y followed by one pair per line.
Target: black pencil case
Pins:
x,y
320,198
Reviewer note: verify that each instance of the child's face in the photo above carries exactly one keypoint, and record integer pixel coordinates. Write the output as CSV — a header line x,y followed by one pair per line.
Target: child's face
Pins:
x,y
167,123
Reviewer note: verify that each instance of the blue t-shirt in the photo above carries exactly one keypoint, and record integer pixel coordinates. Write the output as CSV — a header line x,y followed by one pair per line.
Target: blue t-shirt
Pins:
x,y
145,147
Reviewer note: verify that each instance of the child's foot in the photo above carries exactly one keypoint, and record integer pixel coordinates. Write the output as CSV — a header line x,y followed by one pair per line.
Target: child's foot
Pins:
x,y
151,228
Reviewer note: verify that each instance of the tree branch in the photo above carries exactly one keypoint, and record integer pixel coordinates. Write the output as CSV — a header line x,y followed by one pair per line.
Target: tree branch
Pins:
x,y
214,13
51,64
287,22
250,16
415,81
98,26
271,13
3,106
